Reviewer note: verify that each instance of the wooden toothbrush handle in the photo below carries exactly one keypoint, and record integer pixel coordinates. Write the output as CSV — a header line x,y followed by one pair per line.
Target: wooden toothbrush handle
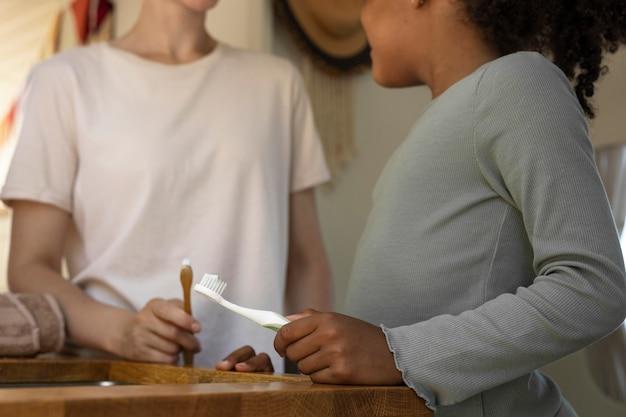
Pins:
x,y
187,302
187,355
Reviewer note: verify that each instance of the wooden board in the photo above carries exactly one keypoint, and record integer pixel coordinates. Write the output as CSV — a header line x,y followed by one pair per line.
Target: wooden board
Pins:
x,y
46,370
170,391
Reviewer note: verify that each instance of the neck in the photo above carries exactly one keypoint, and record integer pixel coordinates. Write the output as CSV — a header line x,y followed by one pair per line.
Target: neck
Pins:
x,y
168,32
454,59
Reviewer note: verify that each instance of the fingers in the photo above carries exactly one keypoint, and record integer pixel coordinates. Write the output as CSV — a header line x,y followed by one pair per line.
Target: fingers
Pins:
x,y
314,363
151,348
302,348
323,370
173,334
177,302
245,359
158,332
160,344
294,331
168,320
155,356
258,363
306,313
240,355
324,376
172,312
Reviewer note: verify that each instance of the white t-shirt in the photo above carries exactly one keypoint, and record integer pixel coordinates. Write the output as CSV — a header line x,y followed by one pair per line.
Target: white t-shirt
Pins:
x,y
158,162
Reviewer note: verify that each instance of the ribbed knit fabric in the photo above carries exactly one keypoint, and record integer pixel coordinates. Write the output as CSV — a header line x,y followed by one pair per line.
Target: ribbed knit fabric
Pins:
x,y
491,249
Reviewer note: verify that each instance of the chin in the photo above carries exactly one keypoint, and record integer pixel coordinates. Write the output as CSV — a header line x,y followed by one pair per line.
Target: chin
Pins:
x,y
393,80
199,5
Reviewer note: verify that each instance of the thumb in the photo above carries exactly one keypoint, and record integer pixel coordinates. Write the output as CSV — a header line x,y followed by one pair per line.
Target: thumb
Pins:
x,y
176,301
306,313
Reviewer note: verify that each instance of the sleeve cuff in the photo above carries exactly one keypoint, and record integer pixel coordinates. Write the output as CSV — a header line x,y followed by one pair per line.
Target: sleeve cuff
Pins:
x,y
402,366
10,194
310,181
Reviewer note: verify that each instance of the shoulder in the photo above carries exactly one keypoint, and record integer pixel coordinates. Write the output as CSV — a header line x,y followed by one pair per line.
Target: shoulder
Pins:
x,y
524,77
526,102
64,66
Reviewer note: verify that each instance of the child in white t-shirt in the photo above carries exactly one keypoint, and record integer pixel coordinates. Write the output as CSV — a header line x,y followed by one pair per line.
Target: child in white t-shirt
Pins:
x,y
162,145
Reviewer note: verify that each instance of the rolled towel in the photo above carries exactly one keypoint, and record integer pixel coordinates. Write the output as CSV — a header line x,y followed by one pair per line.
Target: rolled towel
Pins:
x,y
30,324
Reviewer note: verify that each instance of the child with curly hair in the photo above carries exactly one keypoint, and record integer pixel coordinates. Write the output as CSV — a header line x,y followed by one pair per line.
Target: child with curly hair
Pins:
x,y
491,250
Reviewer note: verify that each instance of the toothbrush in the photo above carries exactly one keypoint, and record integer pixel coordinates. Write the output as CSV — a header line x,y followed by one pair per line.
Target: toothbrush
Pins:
x,y
186,279
213,287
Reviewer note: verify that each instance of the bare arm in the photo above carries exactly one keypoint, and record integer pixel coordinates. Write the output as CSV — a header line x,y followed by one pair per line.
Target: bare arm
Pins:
x,y
156,333
309,282
37,241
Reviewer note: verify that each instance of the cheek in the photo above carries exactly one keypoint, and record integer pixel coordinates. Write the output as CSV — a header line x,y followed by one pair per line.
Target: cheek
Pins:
x,y
390,49
391,62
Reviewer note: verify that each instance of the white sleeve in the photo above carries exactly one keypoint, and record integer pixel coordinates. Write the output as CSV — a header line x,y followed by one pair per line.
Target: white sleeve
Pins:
x,y
45,162
308,165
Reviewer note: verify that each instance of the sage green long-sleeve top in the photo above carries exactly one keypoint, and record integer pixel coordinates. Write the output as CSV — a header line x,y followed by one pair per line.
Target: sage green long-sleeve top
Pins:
x,y
491,250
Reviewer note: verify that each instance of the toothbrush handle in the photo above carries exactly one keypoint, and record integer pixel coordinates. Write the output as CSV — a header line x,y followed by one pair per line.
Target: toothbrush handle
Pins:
x,y
262,317
187,355
186,279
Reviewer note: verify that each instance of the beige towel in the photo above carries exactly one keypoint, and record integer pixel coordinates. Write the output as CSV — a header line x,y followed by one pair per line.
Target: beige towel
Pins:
x,y
30,324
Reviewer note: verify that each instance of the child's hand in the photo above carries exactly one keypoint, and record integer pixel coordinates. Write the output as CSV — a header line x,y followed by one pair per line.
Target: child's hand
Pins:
x,y
246,360
337,349
157,333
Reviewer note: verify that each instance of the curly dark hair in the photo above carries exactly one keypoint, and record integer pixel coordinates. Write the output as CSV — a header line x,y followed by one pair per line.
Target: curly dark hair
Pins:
x,y
575,34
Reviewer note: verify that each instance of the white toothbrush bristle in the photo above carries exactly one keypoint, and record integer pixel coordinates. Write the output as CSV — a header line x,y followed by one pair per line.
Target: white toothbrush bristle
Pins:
x,y
186,262
213,283
213,287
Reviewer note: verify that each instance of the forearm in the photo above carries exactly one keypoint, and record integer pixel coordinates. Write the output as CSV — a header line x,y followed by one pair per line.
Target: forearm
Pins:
x,y
309,285
88,322
447,359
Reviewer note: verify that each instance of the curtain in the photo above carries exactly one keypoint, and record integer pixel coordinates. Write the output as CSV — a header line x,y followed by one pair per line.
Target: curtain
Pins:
x,y
607,358
37,31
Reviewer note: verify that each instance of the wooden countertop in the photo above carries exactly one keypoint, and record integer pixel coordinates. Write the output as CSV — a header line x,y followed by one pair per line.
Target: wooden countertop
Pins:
x,y
169,391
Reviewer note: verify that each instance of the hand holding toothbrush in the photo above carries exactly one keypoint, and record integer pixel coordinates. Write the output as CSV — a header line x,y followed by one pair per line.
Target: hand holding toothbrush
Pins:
x,y
157,333
336,349
329,348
